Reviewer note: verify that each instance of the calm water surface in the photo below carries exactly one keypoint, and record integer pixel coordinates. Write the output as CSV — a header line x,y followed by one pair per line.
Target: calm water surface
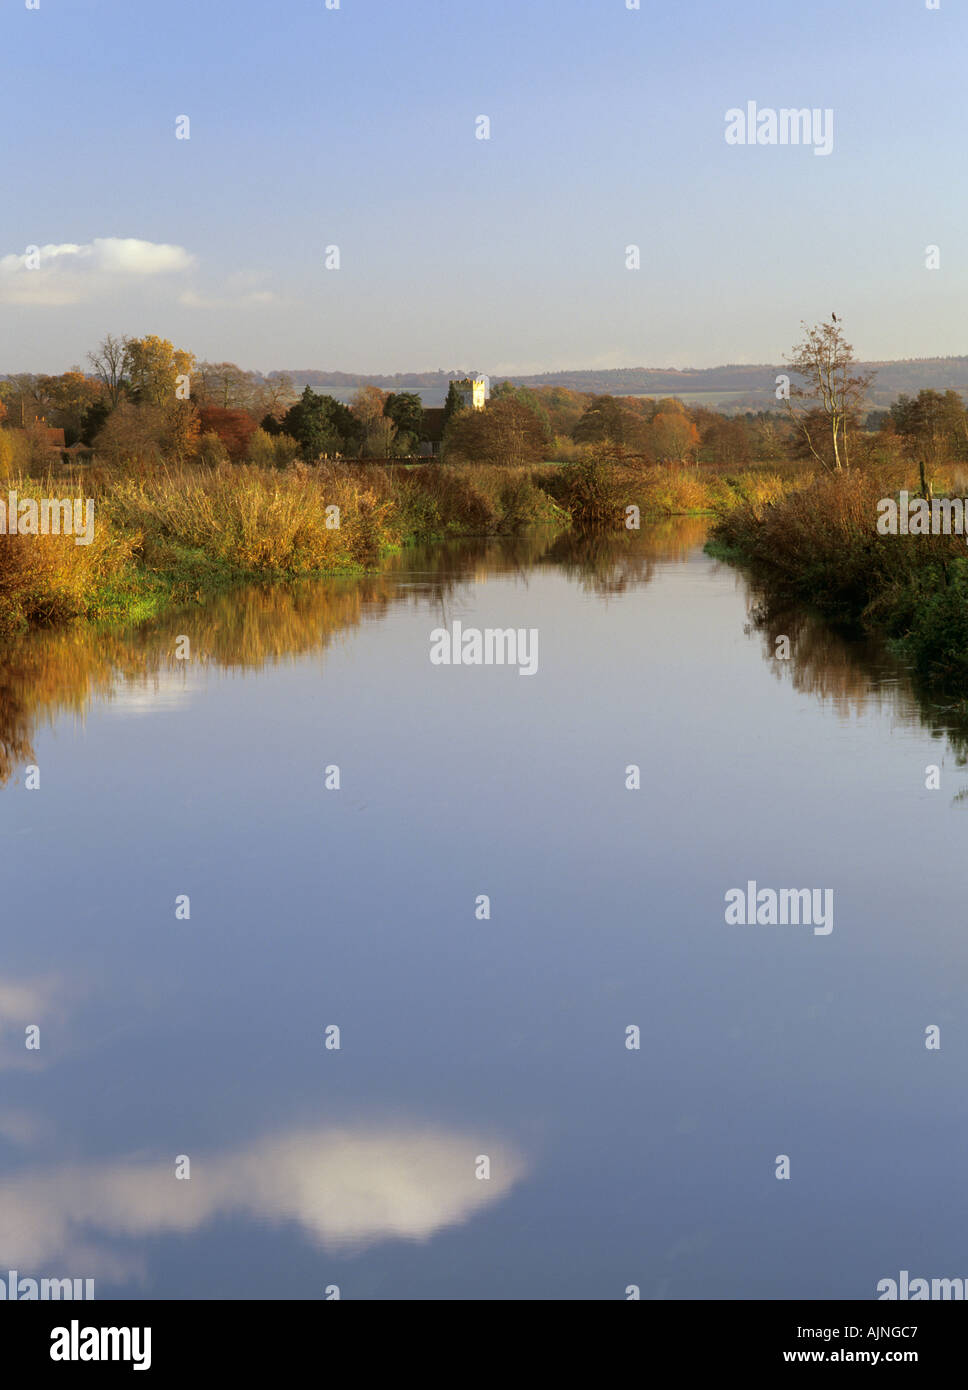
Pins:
x,y
460,1038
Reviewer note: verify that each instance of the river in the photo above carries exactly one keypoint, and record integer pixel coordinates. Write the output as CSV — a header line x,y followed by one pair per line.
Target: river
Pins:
x,y
581,1088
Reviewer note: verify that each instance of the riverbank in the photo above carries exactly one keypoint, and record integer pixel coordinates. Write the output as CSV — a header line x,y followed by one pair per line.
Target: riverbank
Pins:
x,y
820,545
170,538
181,535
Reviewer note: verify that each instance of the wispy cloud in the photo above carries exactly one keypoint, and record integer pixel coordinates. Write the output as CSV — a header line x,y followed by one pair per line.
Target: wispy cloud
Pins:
x,y
250,299
22,1003
243,289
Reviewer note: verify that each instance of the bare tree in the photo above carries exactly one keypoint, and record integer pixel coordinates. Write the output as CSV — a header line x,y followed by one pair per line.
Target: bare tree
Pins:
x,y
275,394
109,362
832,391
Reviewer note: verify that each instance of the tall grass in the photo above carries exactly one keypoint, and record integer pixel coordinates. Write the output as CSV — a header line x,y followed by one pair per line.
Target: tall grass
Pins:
x,y
49,579
257,520
175,533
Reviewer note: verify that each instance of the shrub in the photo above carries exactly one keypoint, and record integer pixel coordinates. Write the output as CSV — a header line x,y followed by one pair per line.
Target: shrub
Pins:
x,y
592,493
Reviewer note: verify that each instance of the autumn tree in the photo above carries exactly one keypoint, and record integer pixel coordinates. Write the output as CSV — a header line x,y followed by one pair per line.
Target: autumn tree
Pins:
x,y
933,425
59,401
830,391
726,440
505,432
157,372
674,437
376,430
606,420
651,407
506,390
69,397
134,434
233,428
564,408
158,375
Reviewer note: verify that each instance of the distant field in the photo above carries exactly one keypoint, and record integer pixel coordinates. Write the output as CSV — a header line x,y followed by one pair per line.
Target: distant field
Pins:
x,y
707,398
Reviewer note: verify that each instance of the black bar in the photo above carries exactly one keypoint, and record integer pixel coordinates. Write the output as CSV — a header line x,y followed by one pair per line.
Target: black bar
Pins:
x,y
253,1338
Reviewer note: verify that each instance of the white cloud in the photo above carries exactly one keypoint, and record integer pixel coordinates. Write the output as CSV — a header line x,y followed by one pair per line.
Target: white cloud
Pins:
x,y
133,257
69,273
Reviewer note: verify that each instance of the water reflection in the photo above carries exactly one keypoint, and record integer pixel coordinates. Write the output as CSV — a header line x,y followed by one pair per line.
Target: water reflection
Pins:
x,y
346,1188
616,564
45,675
463,1037
48,674
24,1004
854,673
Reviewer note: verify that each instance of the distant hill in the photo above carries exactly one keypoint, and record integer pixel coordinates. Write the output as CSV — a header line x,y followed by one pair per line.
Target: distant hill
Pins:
x,y
744,386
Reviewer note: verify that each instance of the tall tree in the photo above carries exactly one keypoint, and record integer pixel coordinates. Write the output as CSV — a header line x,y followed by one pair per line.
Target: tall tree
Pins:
x,y
153,366
674,437
453,404
831,390
108,361
312,423
405,409
606,420
376,428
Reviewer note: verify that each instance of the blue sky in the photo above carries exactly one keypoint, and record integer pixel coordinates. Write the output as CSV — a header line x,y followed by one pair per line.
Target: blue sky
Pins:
x,y
356,127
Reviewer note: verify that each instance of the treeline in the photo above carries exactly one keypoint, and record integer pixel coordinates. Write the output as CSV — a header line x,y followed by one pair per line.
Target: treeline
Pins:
x,y
142,400
145,402
522,424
